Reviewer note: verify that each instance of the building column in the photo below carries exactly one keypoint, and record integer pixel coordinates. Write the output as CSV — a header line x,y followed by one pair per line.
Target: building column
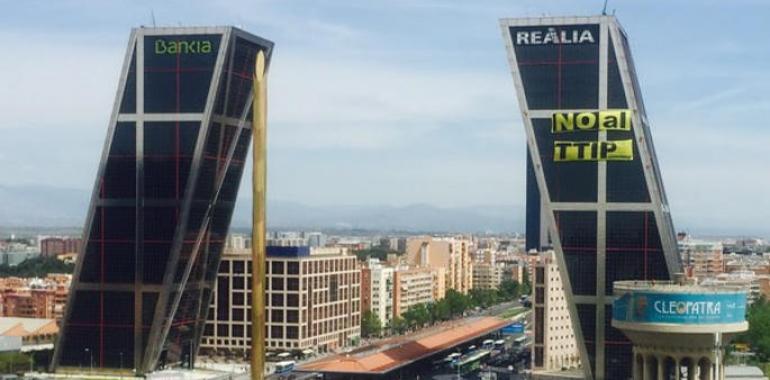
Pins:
x,y
635,366
646,372
677,369
691,369
661,367
706,372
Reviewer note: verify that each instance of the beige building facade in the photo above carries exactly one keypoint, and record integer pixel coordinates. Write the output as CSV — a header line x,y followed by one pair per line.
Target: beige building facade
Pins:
x,y
487,275
411,287
450,253
313,302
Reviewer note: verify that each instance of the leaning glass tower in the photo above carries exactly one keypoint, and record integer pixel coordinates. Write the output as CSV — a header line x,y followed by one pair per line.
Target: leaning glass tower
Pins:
x,y
594,191
162,201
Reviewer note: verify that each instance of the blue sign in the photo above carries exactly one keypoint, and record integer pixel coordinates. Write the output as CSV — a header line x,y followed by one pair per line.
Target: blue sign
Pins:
x,y
685,308
513,328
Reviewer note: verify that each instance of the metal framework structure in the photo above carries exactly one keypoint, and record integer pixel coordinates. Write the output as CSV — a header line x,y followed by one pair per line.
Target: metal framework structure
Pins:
x,y
162,200
606,220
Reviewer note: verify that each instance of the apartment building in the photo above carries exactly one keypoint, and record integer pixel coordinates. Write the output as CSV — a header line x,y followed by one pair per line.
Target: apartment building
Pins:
x,y
411,287
52,246
43,298
313,301
555,347
450,253
377,289
703,259
488,275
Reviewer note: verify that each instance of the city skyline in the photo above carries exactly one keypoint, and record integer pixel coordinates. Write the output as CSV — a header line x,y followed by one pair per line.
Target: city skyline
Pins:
x,y
398,109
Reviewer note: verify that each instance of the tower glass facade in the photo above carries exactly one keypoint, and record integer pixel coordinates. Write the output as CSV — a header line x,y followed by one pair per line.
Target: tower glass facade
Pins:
x,y
594,192
163,199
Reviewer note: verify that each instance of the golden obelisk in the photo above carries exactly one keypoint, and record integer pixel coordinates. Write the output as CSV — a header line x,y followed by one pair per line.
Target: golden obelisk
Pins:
x,y
259,185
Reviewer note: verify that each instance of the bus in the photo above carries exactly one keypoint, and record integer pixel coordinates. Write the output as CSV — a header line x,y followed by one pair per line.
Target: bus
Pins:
x,y
284,367
520,341
488,344
470,362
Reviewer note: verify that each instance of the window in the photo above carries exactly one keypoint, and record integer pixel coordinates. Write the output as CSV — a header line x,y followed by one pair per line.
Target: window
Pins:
x,y
277,267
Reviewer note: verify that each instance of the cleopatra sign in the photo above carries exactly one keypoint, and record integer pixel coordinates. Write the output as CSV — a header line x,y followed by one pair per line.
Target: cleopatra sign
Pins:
x,y
680,307
606,120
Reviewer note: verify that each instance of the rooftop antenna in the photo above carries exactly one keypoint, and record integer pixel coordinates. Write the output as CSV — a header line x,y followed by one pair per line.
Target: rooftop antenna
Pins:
x,y
152,16
604,9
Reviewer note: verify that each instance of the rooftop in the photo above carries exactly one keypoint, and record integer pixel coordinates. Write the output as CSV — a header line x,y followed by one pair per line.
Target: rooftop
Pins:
x,y
677,287
387,355
13,326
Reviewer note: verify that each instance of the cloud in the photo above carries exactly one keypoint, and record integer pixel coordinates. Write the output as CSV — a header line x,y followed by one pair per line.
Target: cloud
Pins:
x,y
322,102
55,81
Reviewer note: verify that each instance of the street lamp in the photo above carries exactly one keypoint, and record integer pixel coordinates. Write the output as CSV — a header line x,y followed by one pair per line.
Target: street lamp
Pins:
x,y
91,358
121,365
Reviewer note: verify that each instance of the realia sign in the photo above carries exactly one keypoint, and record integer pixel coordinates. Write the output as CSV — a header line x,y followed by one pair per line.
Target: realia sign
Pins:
x,y
684,308
552,36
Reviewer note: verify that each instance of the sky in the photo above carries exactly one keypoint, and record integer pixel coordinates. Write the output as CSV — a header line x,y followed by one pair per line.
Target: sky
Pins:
x,y
398,102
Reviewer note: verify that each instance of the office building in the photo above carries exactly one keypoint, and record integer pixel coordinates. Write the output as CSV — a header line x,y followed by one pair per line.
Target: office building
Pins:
x,y
555,347
315,239
594,189
162,199
312,302
238,244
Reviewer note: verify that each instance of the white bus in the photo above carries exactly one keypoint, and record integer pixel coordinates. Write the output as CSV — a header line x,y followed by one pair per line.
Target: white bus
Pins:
x,y
284,367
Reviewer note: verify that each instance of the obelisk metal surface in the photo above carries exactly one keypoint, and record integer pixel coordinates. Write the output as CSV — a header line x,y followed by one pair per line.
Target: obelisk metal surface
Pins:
x,y
259,185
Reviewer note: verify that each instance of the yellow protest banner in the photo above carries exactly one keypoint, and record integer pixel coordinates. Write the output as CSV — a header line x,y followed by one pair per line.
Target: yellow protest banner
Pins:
x,y
614,150
606,120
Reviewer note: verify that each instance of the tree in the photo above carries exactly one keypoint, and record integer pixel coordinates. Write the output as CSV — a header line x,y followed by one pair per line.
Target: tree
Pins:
x,y
397,325
509,290
417,316
758,335
370,324
526,286
484,297
439,310
457,302
37,267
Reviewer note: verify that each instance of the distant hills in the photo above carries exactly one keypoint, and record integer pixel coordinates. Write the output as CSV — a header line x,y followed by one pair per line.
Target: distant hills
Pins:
x,y
50,207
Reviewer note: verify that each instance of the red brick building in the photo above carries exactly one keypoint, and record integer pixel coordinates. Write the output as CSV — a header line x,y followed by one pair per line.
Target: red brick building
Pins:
x,y
54,246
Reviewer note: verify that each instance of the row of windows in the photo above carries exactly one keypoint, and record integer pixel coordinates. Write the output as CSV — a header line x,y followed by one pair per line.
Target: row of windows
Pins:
x,y
312,266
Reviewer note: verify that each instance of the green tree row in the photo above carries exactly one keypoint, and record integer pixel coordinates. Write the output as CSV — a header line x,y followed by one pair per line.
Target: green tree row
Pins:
x,y
36,267
454,304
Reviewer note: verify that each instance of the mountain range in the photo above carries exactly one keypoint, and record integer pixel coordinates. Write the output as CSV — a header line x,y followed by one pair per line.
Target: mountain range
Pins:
x,y
46,206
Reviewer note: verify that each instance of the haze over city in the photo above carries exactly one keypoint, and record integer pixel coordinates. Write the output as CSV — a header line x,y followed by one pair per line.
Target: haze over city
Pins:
x,y
410,189
387,104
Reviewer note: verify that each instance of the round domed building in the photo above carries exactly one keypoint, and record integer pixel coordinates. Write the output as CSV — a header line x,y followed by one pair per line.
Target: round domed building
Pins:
x,y
678,330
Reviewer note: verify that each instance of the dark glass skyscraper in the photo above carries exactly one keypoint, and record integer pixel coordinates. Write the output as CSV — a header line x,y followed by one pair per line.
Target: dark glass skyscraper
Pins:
x,y
163,199
594,192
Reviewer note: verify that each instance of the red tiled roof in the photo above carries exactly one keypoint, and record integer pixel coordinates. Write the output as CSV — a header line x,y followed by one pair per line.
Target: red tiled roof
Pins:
x,y
387,355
